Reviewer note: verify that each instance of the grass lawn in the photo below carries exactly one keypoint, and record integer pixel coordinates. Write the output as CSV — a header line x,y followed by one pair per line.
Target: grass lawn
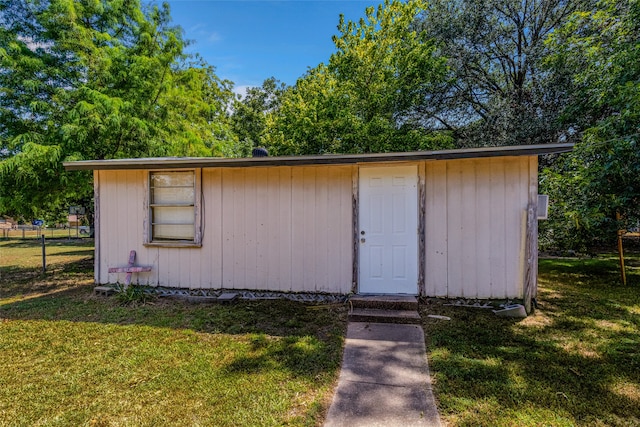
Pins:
x,y
575,362
72,359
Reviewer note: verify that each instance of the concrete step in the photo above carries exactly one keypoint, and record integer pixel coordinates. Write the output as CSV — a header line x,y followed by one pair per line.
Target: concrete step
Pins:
x,y
376,315
390,302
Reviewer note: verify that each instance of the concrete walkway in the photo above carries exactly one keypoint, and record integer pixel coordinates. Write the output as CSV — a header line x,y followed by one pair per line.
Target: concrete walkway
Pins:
x,y
384,379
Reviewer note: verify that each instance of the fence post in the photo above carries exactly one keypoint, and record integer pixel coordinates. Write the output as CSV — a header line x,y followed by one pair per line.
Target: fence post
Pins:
x,y
44,256
623,274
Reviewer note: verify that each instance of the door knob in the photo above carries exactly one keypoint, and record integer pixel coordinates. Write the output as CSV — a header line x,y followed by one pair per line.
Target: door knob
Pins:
x,y
362,232
362,240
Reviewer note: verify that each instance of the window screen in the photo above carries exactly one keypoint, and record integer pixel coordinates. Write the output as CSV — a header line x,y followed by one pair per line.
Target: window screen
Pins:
x,y
172,204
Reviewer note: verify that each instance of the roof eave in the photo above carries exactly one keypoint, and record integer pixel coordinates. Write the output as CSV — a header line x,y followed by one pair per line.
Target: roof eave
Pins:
x,y
331,159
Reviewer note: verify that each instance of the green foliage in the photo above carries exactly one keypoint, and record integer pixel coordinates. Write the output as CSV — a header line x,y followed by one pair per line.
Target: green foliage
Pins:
x,y
311,119
132,295
97,80
499,91
37,167
600,177
370,95
249,119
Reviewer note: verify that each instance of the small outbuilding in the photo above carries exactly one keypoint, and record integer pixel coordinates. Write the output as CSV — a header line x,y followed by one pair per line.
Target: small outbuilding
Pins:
x,y
454,223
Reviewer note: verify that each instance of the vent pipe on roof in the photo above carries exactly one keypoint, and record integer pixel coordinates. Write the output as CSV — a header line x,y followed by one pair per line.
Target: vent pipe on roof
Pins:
x,y
259,152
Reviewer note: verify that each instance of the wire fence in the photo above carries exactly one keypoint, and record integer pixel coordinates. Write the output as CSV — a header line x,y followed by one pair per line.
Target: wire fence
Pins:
x,y
30,232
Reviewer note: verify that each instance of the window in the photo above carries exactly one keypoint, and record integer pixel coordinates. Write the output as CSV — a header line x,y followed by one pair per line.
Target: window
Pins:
x,y
173,207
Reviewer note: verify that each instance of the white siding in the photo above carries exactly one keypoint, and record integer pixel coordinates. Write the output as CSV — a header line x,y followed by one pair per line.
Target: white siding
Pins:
x,y
473,226
120,222
291,229
436,240
273,228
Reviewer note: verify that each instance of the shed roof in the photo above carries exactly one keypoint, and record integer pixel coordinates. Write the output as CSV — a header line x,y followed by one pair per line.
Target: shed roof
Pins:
x,y
327,159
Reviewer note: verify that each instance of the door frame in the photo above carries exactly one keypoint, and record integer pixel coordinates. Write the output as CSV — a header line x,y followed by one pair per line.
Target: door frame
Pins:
x,y
421,201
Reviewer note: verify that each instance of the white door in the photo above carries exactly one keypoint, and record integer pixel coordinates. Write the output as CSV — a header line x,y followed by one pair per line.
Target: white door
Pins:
x,y
388,234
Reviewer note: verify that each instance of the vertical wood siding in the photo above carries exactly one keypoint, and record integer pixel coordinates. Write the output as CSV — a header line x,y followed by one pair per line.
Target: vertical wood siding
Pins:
x,y
291,229
473,233
276,228
96,224
121,214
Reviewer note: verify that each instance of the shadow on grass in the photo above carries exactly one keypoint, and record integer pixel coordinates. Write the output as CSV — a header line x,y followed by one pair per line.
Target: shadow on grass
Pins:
x,y
58,314
88,252
17,281
576,362
604,268
308,339
305,355
30,243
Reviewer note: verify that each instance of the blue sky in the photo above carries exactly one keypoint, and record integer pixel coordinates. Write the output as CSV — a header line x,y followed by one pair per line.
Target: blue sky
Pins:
x,y
249,41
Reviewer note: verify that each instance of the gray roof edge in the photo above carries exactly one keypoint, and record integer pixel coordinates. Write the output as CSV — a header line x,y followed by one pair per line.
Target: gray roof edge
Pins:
x,y
328,159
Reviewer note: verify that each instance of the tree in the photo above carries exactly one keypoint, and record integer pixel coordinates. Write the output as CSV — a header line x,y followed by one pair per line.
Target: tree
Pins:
x,y
600,177
499,92
366,98
96,79
249,113
312,117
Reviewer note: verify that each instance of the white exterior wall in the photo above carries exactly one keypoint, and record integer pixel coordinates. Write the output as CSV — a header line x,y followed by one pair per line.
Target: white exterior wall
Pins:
x,y
475,217
291,228
271,228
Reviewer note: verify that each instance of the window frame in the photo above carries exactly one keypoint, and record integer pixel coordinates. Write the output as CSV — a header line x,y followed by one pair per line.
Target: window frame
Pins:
x,y
197,207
